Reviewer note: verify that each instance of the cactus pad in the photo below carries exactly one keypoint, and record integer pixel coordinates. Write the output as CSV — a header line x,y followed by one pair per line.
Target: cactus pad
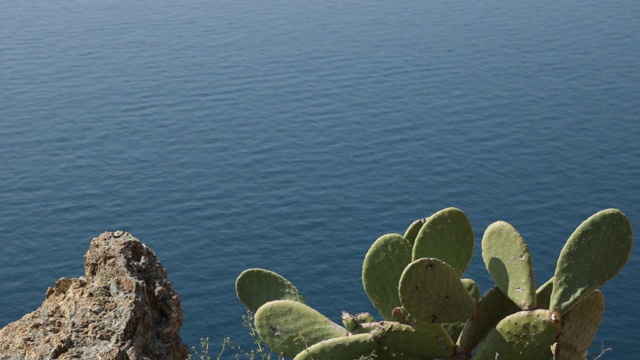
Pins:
x,y
256,287
420,341
492,307
412,231
350,347
383,265
472,288
508,261
579,327
543,294
446,235
431,292
289,326
454,329
525,335
596,251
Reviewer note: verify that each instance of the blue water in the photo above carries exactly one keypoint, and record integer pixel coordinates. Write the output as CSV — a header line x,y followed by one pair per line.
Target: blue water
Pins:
x,y
290,135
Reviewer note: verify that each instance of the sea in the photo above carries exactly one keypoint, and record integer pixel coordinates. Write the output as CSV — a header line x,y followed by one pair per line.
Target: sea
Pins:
x,y
290,135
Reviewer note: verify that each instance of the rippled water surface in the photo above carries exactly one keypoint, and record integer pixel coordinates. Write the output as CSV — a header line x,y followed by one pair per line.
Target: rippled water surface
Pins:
x,y
290,135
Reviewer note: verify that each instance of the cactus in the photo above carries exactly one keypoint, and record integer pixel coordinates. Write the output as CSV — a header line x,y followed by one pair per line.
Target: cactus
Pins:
x,y
508,261
352,322
597,250
454,329
341,348
412,231
543,294
256,287
448,236
381,271
472,288
491,308
432,293
420,340
525,335
289,327
579,327
414,283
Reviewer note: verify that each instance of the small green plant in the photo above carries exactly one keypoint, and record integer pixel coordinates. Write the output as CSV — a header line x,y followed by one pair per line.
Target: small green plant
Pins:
x,y
259,352
413,281
203,353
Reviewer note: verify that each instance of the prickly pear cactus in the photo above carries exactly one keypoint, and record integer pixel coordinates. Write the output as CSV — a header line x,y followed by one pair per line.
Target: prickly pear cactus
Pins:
x,y
446,235
350,347
597,250
412,231
543,294
472,288
414,282
289,327
256,287
431,292
454,329
491,308
420,341
579,327
525,335
507,258
383,265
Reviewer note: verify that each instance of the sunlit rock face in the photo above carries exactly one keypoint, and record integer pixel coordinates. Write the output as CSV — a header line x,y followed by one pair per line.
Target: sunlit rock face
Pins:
x,y
123,308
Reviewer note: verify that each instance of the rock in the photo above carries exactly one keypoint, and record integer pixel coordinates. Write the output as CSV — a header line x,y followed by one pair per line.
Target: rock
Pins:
x,y
123,308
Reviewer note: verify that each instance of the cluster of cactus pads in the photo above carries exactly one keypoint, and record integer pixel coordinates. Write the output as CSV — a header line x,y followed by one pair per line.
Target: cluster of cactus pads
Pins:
x,y
429,312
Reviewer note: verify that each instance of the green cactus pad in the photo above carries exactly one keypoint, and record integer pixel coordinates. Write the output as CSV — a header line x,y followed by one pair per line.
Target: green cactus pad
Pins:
x,y
431,292
421,340
412,231
508,261
454,329
289,326
525,335
472,288
351,347
446,235
543,294
256,287
383,265
579,327
596,251
492,307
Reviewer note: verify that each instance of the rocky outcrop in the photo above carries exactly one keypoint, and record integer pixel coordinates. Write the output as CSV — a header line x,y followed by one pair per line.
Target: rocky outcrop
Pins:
x,y
123,308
